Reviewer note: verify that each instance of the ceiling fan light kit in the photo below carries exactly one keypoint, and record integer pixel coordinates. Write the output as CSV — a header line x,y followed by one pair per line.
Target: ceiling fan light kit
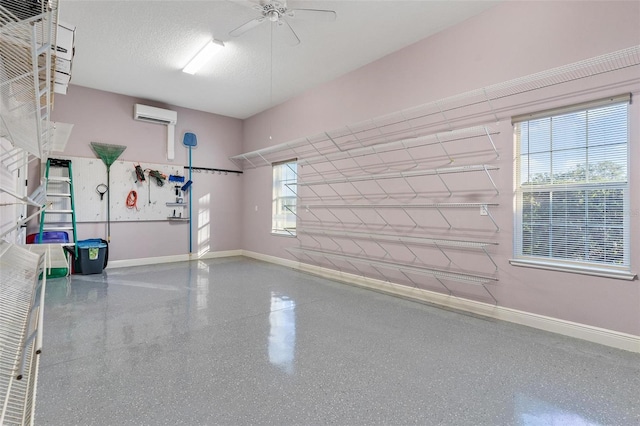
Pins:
x,y
203,56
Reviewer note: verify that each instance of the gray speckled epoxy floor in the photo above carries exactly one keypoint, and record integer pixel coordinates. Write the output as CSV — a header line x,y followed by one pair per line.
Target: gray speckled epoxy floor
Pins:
x,y
236,341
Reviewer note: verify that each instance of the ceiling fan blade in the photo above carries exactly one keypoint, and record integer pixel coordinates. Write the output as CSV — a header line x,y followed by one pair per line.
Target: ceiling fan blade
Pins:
x,y
246,27
316,14
291,38
257,5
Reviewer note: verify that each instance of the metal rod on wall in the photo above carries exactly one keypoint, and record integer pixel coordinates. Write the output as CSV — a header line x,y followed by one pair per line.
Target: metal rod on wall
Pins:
x,y
208,169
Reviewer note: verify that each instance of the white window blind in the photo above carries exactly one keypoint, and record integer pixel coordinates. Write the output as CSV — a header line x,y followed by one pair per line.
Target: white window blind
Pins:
x,y
572,186
285,178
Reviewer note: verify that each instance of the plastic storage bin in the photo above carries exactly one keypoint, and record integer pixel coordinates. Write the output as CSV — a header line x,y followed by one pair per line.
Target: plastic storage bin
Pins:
x,y
59,266
91,256
49,237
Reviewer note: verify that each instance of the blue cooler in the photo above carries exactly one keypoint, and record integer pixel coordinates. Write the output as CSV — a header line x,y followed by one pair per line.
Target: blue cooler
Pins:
x,y
92,256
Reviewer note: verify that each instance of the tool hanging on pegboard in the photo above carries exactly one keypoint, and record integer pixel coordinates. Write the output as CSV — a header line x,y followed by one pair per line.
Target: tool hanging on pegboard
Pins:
x,y
159,177
139,174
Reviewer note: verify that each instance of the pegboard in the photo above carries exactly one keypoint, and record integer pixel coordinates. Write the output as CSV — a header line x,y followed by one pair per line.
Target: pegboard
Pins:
x,y
152,198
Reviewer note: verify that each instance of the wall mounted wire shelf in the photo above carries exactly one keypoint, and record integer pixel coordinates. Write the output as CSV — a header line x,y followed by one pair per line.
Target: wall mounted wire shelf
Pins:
x,y
444,114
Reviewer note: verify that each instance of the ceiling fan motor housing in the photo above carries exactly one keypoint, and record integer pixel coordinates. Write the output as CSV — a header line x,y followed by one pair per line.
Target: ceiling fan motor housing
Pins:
x,y
273,12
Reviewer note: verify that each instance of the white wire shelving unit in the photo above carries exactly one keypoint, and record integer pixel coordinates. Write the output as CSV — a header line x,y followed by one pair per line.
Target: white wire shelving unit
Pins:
x,y
381,240
21,325
348,186
405,208
371,202
370,210
404,176
27,69
404,127
408,270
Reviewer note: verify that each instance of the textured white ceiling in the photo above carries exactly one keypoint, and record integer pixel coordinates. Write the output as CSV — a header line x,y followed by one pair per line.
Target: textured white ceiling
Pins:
x,y
138,48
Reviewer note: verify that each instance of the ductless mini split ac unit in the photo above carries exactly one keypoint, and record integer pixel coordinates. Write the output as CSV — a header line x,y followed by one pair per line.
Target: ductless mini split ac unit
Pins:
x,y
159,116
154,115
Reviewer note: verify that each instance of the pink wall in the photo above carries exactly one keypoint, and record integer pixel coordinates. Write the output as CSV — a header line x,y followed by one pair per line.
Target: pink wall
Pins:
x,y
514,39
108,118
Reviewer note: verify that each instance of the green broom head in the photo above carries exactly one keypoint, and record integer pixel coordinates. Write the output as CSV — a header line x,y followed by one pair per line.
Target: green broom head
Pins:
x,y
107,153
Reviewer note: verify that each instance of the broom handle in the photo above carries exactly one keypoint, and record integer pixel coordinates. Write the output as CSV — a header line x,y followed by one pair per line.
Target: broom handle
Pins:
x,y
108,204
190,207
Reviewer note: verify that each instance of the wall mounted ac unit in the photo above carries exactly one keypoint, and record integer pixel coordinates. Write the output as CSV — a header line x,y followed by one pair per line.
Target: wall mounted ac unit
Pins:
x,y
154,115
159,116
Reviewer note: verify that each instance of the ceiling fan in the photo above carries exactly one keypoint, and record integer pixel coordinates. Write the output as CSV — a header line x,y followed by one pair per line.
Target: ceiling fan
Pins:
x,y
279,13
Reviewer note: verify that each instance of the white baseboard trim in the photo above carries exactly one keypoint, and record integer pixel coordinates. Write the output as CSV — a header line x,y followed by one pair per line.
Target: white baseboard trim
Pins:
x,y
169,259
615,339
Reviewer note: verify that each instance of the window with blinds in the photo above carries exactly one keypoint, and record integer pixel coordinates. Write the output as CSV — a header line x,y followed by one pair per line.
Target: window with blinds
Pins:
x,y
285,178
572,187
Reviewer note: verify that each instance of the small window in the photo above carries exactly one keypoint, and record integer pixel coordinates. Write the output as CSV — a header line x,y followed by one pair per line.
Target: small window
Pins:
x,y
285,178
572,187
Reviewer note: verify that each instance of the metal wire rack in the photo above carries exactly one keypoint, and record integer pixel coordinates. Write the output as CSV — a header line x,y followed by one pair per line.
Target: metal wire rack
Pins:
x,y
408,270
405,175
27,39
408,241
26,75
439,207
27,68
350,220
21,318
443,114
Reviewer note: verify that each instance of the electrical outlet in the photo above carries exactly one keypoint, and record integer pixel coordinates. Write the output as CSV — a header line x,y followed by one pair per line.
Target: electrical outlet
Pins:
x,y
483,210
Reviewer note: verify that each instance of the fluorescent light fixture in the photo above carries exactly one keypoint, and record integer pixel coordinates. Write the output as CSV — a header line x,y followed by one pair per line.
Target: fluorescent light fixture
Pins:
x,y
203,56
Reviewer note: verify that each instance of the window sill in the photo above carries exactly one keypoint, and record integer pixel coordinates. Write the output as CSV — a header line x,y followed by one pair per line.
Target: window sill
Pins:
x,y
283,234
615,273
